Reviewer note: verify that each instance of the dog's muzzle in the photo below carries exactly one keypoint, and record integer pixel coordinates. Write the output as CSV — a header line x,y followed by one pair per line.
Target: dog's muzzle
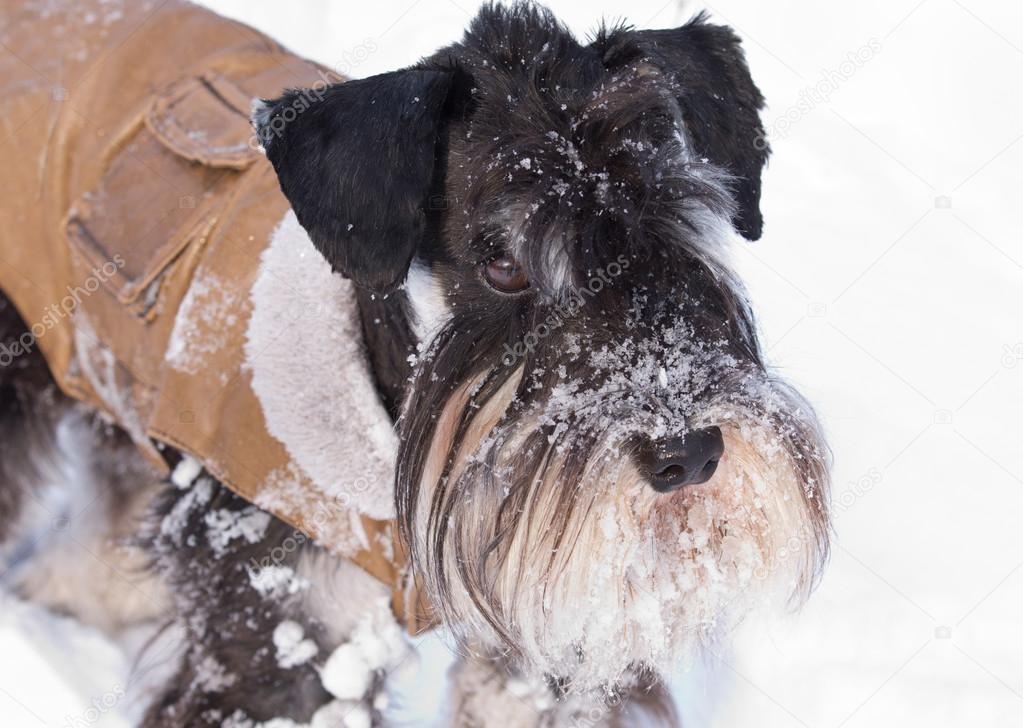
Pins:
x,y
674,462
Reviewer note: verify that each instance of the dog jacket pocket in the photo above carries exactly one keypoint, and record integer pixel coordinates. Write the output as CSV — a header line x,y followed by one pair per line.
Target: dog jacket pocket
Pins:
x,y
163,185
137,236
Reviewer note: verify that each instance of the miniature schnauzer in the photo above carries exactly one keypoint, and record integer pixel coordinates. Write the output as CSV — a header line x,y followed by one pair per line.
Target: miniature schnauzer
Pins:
x,y
597,472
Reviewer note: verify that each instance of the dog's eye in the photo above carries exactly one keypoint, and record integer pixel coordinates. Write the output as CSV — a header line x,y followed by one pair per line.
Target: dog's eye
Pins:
x,y
505,275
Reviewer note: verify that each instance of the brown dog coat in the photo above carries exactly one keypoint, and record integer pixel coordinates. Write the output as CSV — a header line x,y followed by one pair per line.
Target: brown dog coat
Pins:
x,y
144,240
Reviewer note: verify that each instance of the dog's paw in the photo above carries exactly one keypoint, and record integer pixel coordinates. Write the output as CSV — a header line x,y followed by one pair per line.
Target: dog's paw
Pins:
x,y
335,714
489,692
484,694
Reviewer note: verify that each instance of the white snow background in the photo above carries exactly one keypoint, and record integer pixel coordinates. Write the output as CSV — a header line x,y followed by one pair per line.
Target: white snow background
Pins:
x,y
889,287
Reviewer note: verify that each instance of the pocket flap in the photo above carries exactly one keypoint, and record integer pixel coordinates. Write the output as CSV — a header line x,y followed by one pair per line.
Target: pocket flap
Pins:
x,y
206,120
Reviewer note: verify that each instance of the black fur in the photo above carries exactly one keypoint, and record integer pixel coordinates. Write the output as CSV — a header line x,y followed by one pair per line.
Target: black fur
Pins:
x,y
389,340
357,165
29,409
228,624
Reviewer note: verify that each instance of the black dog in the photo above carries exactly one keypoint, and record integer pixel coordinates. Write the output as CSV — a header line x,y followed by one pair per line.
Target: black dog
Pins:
x,y
596,472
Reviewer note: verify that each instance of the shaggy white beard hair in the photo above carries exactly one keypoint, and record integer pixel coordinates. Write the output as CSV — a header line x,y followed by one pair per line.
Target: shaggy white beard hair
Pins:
x,y
632,579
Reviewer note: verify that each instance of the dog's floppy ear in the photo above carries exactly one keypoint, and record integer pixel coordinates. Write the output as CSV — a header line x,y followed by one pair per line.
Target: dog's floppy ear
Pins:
x,y
356,160
720,103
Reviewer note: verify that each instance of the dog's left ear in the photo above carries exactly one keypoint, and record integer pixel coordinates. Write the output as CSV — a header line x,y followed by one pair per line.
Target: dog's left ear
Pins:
x,y
720,103
356,160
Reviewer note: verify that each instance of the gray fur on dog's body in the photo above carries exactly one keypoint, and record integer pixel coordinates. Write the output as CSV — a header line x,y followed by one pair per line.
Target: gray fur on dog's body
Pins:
x,y
632,159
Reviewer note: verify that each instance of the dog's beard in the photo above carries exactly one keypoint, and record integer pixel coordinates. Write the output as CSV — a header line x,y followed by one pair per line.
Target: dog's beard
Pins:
x,y
535,533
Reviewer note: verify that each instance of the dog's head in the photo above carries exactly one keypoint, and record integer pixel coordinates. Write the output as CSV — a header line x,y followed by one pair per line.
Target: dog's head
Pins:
x,y
596,471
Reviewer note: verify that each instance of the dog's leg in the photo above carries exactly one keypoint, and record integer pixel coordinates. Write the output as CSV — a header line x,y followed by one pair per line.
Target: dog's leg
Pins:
x,y
484,690
76,551
275,627
72,493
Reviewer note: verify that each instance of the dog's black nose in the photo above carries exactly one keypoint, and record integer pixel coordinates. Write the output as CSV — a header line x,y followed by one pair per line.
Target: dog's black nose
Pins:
x,y
674,462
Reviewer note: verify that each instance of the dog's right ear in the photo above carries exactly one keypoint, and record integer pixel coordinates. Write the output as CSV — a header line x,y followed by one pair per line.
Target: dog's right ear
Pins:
x,y
356,160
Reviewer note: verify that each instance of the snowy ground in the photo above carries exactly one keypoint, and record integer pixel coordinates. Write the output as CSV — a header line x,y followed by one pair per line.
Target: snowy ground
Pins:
x,y
889,287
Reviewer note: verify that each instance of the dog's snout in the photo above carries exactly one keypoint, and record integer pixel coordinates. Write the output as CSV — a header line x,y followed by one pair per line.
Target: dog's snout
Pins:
x,y
674,462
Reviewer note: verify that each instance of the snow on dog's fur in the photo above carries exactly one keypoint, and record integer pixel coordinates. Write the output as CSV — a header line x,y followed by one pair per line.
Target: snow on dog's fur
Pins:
x,y
577,564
